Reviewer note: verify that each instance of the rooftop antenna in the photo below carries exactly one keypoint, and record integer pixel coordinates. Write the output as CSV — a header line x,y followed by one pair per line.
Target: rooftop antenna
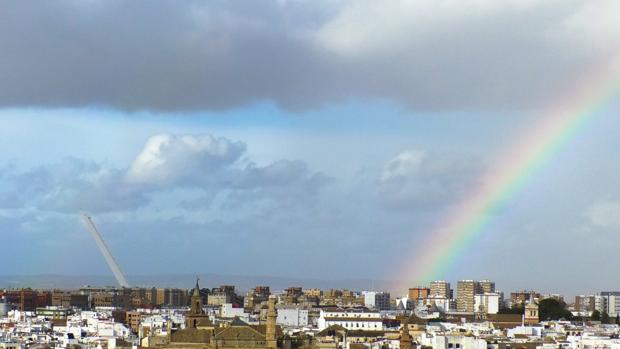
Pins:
x,y
105,251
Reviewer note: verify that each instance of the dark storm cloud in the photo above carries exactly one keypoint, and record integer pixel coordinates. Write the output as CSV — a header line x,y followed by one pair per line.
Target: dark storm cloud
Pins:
x,y
195,55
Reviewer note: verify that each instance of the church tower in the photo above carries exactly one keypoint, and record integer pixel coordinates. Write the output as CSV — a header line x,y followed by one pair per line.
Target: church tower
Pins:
x,y
405,337
196,307
270,331
196,317
531,312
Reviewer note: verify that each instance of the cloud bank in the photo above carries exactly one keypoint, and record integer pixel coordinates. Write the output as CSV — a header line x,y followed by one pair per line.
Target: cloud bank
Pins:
x,y
202,164
193,55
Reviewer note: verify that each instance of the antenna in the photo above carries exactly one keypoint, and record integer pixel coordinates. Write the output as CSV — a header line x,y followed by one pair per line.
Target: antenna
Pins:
x,y
105,251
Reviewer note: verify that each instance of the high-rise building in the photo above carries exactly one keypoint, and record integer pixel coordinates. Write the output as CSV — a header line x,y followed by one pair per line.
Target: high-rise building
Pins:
x,y
255,297
585,303
377,300
440,289
465,292
291,295
486,286
69,299
313,292
416,293
519,298
178,297
332,293
223,294
24,299
608,302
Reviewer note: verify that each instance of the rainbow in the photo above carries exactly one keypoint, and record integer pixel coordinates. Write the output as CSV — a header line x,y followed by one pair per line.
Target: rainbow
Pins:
x,y
507,177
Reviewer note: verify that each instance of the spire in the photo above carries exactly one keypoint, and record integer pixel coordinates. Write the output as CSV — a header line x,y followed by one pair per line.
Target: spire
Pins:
x,y
196,300
196,292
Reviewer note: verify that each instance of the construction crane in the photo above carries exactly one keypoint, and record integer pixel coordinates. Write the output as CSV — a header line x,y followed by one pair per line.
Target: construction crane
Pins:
x,y
105,251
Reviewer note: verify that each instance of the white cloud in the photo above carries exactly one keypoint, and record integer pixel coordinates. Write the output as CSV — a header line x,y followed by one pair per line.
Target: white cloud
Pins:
x,y
403,165
206,165
170,159
417,179
605,214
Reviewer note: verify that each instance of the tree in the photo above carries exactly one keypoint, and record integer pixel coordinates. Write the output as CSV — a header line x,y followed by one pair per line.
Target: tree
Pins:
x,y
605,318
553,309
596,316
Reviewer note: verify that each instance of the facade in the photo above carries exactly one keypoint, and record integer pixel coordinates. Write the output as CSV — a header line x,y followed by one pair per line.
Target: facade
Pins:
x,y
585,304
27,299
223,294
54,312
531,312
68,299
487,303
133,320
111,299
377,300
291,295
350,320
486,286
177,297
465,292
440,288
439,303
292,317
519,298
255,297
608,302
416,293
229,311
162,296
313,292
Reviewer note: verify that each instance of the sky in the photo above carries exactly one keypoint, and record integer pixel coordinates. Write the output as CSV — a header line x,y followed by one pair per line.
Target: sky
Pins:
x,y
320,139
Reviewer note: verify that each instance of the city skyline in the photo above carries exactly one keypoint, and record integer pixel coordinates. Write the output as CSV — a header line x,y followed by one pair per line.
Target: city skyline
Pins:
x,y
314,140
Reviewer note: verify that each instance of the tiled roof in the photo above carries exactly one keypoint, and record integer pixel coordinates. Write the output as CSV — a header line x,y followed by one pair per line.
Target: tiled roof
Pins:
x,y
191,335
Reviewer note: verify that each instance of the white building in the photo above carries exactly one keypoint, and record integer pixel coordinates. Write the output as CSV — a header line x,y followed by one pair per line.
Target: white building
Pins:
x,y
377,300
438,303
487,301
292,317
351,320
608,302
458,342
527,331
228,311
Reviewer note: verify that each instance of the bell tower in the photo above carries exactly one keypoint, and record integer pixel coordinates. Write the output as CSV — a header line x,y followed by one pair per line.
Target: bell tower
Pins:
x,y
270,331
405,337
531,312
196,316
196,307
